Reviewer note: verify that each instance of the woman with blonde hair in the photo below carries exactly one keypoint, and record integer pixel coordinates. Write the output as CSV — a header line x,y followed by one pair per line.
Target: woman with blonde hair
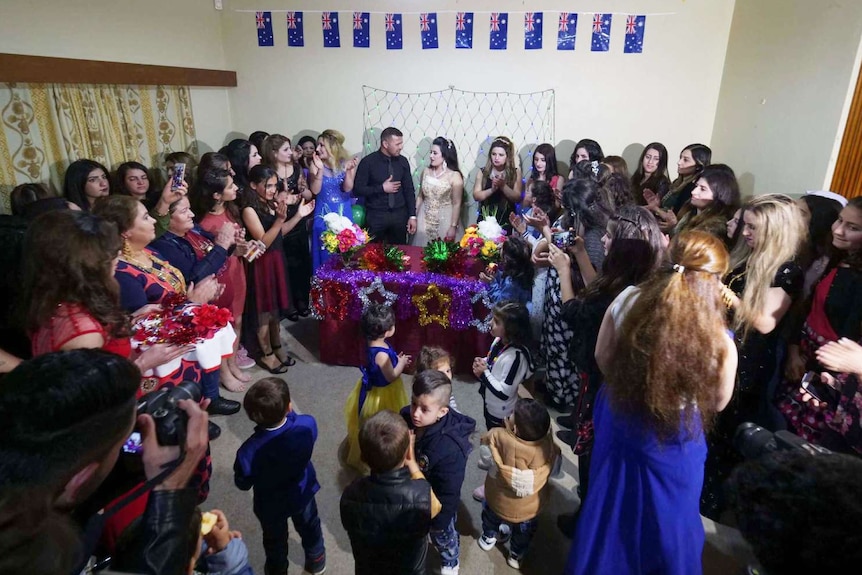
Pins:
x,y
330,178
661,394
499,187
764,281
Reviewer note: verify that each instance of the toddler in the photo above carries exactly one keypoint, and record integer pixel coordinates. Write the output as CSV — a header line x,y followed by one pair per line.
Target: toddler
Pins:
x,y
380,386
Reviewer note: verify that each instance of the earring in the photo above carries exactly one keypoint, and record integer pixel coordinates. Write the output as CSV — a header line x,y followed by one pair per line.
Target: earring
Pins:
x,y
127,249
445,165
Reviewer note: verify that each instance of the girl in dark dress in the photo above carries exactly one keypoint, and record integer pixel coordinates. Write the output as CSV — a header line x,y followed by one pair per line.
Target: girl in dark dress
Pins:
x,y
278,154
651,173
498,188
633,250
268,297
763,282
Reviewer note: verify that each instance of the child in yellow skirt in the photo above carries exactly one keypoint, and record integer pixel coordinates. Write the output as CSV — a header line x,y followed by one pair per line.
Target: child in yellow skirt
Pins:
x,y
380,386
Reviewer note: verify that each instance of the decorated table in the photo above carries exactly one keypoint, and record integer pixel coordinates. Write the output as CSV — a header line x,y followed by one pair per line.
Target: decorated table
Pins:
x,y
449,311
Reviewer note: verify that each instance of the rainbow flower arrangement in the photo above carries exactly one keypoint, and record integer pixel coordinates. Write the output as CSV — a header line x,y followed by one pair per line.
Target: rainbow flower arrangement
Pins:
x,y
342,236
484,239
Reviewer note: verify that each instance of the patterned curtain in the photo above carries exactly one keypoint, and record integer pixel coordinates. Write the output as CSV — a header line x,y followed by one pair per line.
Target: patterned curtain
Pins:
x,y
46,127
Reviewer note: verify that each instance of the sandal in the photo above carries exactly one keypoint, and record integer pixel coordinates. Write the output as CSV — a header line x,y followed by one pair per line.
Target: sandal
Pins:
x,y
279,370
287,362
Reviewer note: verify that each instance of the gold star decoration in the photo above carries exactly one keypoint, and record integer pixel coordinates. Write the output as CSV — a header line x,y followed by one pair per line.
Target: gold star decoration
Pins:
x,y
443,302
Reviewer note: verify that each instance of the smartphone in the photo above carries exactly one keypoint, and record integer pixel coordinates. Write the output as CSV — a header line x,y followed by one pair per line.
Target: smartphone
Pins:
x,y
133,444
179,176
563,239
817,389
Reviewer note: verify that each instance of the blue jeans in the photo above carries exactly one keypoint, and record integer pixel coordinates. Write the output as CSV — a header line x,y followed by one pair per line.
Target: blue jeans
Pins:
x,y
447,542
522,533
274,527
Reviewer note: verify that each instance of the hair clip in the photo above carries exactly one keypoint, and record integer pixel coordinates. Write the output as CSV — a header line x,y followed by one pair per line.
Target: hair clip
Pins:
x,y
595,167
678,268
451,145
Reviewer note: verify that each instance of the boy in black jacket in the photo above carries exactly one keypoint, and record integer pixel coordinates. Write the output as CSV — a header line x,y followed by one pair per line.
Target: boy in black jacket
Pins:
x,y
442,447
387,515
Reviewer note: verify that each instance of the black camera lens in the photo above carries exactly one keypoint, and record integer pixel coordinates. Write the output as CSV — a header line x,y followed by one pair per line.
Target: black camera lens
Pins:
x,y
752,441
186,390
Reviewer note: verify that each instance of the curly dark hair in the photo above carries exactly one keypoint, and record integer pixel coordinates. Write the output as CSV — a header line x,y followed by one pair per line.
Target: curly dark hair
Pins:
x,y
516,322
377,319
654,370
516,262
69,258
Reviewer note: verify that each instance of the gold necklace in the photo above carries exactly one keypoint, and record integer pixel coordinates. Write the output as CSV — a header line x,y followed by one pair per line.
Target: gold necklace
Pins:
x,y
167,274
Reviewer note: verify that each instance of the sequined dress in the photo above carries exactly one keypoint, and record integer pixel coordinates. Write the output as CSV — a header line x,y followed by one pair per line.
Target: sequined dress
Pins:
x,y
434,216
330,199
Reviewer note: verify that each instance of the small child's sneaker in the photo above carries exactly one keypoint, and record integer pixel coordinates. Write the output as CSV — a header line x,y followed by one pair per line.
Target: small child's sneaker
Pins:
x,y
450,570
514,562
316,566
243,361
487,543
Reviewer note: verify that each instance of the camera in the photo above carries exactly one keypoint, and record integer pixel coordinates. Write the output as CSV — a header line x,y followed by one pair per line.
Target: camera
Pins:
x,y
753,441
171,421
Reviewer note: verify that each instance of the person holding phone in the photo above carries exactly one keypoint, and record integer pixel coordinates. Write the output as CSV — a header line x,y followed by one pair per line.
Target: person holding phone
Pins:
x,y
835,314
584,219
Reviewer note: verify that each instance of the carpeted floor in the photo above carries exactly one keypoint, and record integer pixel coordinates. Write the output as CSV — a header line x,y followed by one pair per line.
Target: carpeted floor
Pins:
x,y
321,390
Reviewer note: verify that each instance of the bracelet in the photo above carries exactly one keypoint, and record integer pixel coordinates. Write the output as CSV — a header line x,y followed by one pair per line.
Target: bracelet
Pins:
x,y
453,226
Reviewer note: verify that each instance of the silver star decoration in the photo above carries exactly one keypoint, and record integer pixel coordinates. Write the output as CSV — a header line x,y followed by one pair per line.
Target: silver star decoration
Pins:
x,y
376,286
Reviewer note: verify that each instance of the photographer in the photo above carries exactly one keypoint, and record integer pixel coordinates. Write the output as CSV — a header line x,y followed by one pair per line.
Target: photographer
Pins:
x,y
63,418
800,513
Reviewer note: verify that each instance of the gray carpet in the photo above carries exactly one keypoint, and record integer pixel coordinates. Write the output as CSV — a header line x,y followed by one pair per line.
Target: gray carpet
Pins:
x,y
321,390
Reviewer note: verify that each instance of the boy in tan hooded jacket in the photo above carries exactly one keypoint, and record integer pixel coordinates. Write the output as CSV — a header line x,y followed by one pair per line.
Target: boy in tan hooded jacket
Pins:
x,y
524,457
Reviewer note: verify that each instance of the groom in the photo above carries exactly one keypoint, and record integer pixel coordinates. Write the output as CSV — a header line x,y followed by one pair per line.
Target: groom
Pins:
x,y
383,179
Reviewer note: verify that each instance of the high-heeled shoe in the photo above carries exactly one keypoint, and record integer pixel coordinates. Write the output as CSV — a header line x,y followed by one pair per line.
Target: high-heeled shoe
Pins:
x,y
278,370
289,362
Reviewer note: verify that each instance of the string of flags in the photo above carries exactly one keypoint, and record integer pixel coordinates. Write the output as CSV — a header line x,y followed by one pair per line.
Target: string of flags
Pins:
x,y
498,22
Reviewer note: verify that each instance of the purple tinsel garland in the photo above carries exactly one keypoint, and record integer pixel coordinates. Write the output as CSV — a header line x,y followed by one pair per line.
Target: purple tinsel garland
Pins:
x,y
405,284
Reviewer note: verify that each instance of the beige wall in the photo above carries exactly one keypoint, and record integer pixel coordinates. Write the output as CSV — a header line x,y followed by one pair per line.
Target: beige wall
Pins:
x,y
165,32
668,93
781,110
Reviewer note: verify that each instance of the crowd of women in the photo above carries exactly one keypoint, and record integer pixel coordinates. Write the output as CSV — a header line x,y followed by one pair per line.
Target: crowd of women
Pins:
x,y
667,312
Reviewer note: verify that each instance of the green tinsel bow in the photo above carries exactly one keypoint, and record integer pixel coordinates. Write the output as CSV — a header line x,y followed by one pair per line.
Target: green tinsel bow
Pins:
x,y
395,256
438,252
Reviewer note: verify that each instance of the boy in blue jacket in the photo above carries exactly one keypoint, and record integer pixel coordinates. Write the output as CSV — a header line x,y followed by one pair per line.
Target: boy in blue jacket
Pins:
x,y
276,462
441,449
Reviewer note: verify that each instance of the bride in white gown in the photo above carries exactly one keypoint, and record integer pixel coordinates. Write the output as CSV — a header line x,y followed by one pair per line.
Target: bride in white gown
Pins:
x,y
441,189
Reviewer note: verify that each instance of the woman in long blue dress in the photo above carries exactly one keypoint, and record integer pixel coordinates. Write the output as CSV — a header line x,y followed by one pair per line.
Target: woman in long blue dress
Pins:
x,y
646,473
330,177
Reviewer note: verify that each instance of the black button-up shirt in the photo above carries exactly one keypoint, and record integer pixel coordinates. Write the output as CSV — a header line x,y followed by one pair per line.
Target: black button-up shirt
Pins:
x,y
373,170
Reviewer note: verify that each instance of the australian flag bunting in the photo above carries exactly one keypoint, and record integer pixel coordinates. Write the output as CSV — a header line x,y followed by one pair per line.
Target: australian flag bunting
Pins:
x,y
601,32
295,37
464,30
394,31
568,26
635,27
533,30
264,28
428,29
331,38
499,30
361,35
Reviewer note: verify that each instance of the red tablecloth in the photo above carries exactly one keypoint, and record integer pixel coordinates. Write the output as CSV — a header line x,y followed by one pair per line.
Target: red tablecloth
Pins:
x,y
342,342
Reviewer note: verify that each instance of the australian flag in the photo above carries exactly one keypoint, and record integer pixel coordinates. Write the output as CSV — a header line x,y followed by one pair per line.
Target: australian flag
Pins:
x,y
428,29
601,32
361,35
532,31
635,27
264,28
295,37
394,32
331,38
568,26
499,30
464,30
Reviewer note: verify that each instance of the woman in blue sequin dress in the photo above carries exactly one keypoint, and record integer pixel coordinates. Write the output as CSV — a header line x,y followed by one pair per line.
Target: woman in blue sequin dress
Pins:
x,y
330,177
